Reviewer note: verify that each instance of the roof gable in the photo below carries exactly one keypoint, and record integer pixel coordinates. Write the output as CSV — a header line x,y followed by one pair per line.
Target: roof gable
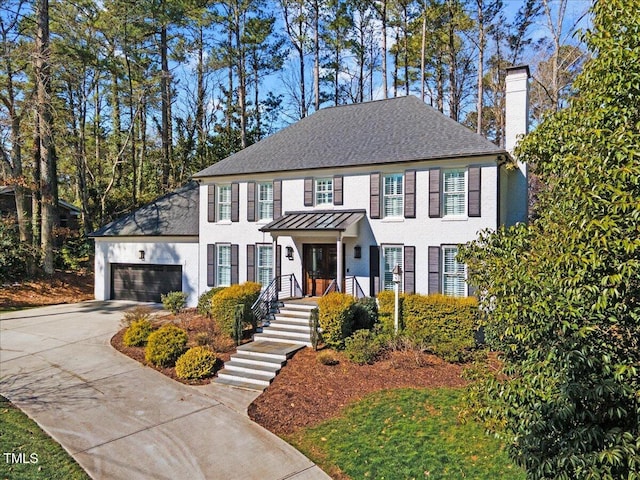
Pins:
x,y
384,131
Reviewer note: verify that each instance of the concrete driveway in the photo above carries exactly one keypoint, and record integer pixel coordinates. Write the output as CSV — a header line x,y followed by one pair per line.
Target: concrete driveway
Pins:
x,y
121,420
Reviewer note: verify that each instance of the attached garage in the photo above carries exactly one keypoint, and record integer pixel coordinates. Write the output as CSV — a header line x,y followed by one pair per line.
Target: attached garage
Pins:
x,y
144,283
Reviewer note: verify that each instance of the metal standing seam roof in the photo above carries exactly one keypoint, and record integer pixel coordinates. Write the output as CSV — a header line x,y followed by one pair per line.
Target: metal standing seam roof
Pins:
x,y
326,220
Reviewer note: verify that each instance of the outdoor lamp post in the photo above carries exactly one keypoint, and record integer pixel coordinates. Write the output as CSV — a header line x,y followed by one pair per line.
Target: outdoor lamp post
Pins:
x,y
397,278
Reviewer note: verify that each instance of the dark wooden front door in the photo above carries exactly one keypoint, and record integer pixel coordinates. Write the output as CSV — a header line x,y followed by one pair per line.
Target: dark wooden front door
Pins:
x,y
319,267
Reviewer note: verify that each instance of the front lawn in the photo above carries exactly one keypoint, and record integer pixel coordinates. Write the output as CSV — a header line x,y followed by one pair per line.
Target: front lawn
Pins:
x,y
406,434
29,453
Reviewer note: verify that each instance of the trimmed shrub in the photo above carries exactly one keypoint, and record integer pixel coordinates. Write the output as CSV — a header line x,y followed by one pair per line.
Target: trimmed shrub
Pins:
x,y
386,307
365,314
223,305
362,347
196,363
137,333
327,357
165,345
445,325
204,301
136,314
336,318
174,301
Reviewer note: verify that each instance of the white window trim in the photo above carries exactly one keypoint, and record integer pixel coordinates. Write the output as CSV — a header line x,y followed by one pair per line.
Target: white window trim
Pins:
x,y
219,203
445,273
386,196
219,246
259,267
327,181
264,202
383,264
462,192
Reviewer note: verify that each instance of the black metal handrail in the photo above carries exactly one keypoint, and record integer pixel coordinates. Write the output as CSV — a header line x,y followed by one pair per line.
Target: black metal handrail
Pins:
x,y
353,288
284,286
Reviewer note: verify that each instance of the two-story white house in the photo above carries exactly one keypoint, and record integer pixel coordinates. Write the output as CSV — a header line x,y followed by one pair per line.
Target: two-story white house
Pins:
x,y
334,201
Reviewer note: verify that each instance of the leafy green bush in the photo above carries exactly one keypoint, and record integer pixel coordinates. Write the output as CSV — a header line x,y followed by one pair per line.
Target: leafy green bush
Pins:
x,y
362,347
386,307
195,363
204,301
365,314
165,345
137,333
327,357
76,252
223,305
336,318
174,301
14,254
445,325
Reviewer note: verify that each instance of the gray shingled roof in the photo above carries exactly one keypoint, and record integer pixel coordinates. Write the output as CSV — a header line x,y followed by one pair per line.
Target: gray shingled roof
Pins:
x,y
384,131
174,214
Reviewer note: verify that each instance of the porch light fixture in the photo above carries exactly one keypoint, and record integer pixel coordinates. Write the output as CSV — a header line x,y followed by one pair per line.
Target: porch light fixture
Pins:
x,y
397,279
357,251
290,253
141,254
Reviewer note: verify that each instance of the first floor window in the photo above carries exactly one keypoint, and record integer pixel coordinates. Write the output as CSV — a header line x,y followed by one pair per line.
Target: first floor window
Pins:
x,y
393,195
265,264
265,201
224,202
391,256
324,191
223,265
454,193
454,274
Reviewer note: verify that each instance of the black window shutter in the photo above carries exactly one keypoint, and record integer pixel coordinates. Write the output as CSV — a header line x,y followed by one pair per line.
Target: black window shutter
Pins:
x,y
374,270
337,190
434,270
410,194
308,192
277,199
410,269
474,191
251,201
211,203
211,265
251,263
374,195
279,264
234,264
235,202
434,193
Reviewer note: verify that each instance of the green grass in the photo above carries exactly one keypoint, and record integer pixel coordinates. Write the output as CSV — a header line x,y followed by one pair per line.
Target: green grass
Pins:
x,y
407,434
20,435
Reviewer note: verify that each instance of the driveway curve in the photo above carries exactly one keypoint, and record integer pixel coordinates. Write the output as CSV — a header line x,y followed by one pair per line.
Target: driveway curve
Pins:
x,y
121,420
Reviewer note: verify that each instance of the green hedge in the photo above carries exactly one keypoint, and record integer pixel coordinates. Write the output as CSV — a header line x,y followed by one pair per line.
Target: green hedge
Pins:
x,y
445,325
386,306
336,313
223,305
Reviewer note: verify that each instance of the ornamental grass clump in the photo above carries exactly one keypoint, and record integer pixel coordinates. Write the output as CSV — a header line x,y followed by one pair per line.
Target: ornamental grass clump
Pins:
x,y
137,333
196,363
165,345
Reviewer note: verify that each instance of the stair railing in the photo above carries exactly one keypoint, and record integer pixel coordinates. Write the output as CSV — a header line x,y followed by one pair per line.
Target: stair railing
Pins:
x,y
333,287
353,288
284,286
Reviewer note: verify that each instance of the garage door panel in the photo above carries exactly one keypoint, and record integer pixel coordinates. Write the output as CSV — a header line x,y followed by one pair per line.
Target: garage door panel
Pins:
x,y
144,283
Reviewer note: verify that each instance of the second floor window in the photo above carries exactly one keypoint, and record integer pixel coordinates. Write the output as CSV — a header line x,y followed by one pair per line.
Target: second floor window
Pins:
x,y
265,201
454,193
224,203
324,191
393,202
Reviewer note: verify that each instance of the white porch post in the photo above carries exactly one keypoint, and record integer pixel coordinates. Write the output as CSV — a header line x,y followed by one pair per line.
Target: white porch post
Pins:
x,y
275,258
339,273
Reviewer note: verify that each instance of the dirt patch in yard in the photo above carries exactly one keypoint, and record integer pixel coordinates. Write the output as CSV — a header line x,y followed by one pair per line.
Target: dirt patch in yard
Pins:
x,y
62,287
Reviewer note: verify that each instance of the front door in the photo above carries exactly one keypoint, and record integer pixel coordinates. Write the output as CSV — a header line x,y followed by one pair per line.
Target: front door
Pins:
x,y
319,267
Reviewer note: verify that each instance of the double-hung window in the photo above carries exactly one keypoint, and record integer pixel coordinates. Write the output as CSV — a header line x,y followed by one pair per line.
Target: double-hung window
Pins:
x,y
391,257
324,191
223,203
454,193
453,274
393,201
265,201
264,267
223,265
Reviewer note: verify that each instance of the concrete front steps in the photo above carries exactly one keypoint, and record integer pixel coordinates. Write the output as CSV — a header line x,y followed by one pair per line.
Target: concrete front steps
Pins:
x,y
255,364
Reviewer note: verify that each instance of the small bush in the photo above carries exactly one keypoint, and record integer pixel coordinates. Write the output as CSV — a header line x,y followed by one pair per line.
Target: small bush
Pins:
x,y
204,301
386,307
196,363
336,318
445,325
174,301
202,338
362,347
136,314
137,333
223,305
365,313
165,345
76,252
327,357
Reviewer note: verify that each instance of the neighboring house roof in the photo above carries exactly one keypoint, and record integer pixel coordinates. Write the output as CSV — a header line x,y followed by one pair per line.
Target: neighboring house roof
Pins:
x,y
323,220
11,190
174,214
383,131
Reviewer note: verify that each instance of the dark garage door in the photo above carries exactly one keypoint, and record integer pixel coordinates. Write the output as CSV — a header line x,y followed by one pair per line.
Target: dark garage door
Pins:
x,y
144,283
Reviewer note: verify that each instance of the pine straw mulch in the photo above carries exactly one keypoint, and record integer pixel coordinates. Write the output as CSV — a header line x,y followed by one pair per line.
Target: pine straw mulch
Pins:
x,y
306,392
62,287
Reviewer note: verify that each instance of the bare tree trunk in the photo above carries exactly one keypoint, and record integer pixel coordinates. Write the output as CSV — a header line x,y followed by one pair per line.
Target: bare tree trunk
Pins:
x,y
316,54
481,42
422,53
165,87
383,19
36,199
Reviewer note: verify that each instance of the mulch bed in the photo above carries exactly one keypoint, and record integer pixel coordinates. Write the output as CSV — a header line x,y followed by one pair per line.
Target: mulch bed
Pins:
x,y
306,392
62,287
